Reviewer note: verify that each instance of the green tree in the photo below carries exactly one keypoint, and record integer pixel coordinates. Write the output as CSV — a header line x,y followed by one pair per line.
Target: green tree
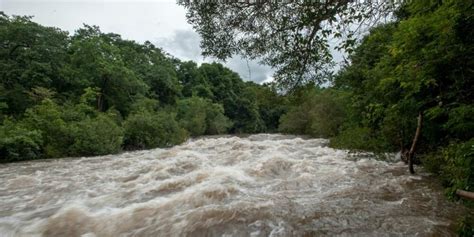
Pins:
x,y
146,129
229,89
95,136
47,119
194,83
19,143
118,84
152,66
417,67
216,121
200,116
292,37
270,104
31,56
317,112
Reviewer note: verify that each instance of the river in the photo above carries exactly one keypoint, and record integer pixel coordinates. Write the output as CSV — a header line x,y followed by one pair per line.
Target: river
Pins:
x,y
260,185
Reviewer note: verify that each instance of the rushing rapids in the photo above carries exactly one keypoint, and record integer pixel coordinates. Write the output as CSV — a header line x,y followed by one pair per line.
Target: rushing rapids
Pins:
x,y
262,185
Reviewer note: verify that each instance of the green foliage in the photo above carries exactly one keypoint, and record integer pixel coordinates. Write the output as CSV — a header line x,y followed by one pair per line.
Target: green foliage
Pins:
x,y
200,116
466,227
145,104
144,130
105,70
79,95
292,37
359,139
47,118
95,136
31,56
316,113
418,64
192,115
244,113
73,130
216,121
18,143
270,104
229,90
461,121
454,164
422,63
193,81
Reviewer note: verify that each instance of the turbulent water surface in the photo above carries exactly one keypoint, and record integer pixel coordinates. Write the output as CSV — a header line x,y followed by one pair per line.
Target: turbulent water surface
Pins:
x,y
262,185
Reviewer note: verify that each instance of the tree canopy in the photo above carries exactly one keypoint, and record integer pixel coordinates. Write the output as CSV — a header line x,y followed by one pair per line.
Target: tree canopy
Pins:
x,y
93,93
291,36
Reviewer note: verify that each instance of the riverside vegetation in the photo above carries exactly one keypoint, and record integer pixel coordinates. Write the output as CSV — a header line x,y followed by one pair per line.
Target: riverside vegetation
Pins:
x,y
406,86
94,93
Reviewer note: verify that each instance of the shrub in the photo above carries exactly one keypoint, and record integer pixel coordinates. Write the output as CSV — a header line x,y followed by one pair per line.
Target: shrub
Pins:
x,y
216,121
318,115
144,104
461,122
454,164
295,121
18,143
144,130
192,115
47,119
200,116
466,226
359,138
95,136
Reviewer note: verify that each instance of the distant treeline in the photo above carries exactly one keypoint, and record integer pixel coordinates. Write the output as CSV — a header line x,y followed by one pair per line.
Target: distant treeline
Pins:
x,y
95,93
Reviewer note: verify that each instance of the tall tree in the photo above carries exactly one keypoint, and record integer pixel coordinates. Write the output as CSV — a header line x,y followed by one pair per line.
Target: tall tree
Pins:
x,y
291,36
31,56
411,77
118,85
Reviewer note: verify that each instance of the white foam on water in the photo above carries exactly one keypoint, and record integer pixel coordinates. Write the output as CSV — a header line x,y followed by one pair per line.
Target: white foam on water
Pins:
x,y
261,185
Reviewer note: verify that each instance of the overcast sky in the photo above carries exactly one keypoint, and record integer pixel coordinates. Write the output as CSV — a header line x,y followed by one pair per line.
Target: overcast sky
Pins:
x,y
162,22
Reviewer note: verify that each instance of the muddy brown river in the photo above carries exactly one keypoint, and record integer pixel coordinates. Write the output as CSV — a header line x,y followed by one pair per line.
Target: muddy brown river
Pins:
x,y
261,185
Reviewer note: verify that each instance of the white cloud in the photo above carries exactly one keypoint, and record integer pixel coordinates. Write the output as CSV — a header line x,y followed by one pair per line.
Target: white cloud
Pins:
x,y
137,20
185,45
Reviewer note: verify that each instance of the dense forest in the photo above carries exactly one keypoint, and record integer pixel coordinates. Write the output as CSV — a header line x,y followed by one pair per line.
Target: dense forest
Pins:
x,y
407,86
94,93
413,74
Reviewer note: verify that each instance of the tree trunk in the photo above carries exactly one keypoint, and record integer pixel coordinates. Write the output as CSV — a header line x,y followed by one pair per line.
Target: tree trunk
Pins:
x,y
403,150
101,98
411,153
100,102
465,194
